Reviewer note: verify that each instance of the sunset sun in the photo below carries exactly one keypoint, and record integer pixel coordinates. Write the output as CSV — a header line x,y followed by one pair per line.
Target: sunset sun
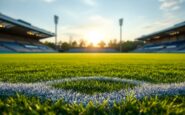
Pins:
x,y
94,37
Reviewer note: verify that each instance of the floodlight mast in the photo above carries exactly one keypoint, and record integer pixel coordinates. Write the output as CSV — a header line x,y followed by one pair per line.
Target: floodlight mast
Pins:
x,y
56,18
121,25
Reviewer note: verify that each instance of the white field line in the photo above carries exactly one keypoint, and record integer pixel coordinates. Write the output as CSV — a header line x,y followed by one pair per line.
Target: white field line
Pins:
x,y
45,90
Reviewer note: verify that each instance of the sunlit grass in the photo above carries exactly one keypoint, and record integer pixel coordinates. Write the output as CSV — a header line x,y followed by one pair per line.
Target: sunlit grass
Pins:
x,y
155,68
93,86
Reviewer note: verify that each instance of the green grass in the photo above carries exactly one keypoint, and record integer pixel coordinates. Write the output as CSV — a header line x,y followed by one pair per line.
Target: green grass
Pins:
x,y
155,68
131,106
93,86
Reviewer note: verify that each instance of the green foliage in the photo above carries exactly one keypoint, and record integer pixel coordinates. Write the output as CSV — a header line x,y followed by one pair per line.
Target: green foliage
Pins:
x,y
131,45
65,46
113,44
155,68
93,86
102,44
126,46
149,106
50,44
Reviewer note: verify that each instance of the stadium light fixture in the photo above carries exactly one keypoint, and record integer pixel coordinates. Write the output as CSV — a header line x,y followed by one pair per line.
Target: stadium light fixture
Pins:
x,y
1,26
56,18
33,33
30,33
37,34
174,33
40,35
157,37
121,25
6,25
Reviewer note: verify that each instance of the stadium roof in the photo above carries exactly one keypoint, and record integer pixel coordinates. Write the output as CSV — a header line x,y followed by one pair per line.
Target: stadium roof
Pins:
x,y
167,31
22,28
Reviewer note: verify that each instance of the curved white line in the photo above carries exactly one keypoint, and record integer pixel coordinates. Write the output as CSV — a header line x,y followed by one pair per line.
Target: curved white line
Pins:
x,y
45,90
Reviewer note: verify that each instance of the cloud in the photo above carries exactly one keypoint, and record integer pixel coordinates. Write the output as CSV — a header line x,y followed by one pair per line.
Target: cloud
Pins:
x,y
48,1
90,2
170,5
166,22
169,17
94,23
163,23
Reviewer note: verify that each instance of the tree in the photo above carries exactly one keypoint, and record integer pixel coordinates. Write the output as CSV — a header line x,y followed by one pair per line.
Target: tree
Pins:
x,y
65,46
91,45
82,43
113,44
131,45
101,44
74,44
49,44
60,44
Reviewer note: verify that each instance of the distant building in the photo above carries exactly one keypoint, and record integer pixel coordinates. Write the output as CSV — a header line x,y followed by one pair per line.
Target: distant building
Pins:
x,y
21,36
171,39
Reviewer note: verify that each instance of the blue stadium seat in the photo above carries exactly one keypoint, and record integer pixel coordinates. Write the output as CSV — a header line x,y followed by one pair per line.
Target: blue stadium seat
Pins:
x,y
163,47
21,47
5,50
14,46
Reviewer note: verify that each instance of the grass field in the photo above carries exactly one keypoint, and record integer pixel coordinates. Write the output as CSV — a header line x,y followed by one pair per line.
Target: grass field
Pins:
x,y
152,68
156,68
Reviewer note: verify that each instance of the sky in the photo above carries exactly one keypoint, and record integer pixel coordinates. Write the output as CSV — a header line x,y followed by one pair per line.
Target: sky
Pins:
x,y
95,20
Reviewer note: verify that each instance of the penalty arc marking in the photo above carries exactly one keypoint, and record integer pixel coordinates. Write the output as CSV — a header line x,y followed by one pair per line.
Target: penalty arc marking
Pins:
x,y
46,91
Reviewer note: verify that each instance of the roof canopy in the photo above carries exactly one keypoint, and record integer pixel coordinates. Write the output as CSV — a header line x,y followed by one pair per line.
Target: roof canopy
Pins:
x,y
166,32
19,27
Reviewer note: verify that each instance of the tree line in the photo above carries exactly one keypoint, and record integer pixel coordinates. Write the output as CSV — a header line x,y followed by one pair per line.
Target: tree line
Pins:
x,y
126,45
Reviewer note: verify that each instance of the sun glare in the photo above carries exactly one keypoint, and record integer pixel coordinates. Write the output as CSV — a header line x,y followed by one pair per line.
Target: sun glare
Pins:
x,y
94,37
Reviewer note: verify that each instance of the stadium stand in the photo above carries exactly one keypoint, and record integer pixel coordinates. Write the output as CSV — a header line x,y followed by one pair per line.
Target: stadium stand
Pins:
x,y
3,49
171,39
21,36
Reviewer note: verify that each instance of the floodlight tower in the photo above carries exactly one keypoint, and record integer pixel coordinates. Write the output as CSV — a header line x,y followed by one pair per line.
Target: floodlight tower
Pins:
x,y
121,25
56,18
